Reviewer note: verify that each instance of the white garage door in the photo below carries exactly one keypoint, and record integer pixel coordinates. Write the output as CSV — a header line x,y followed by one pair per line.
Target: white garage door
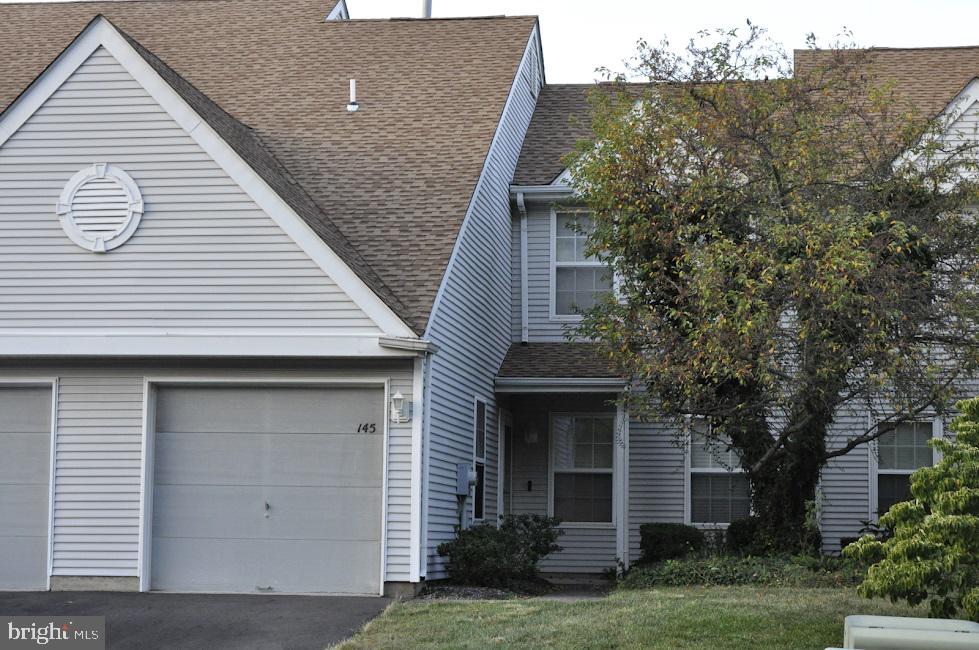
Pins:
x,y
25,462
268,489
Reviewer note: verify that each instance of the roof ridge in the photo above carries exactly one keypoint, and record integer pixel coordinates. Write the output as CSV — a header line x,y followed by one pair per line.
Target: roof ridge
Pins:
x,y
884,48
325,227
417,19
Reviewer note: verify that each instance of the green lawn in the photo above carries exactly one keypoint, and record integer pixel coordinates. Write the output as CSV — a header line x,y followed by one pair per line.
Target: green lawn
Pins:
x,y
711,618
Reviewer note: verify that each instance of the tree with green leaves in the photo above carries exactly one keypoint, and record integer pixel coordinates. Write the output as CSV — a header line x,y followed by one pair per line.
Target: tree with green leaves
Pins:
x,y
786,244
933,554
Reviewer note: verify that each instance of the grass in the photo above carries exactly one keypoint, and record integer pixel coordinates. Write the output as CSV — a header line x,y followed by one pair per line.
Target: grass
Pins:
x,y
714,618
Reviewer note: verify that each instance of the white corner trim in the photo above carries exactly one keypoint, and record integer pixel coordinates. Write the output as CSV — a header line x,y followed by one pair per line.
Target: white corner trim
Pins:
x,y
101,33
621,484
417,468
494,145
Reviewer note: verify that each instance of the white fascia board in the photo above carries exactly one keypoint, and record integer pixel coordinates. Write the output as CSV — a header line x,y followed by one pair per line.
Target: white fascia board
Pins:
x,y
122,344
559,385
494,144
101,33
542,193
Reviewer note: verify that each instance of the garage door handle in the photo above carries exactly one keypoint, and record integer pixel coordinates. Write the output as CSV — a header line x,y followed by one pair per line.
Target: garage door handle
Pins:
x,y
268,509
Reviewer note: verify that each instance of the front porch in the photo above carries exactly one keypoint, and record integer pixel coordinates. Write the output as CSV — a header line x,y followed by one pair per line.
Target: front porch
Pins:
x,y
564,453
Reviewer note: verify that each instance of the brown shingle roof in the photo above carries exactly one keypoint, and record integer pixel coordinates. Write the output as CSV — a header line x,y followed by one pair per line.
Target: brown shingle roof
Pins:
x,y
555,360
394,178
928,79
561,119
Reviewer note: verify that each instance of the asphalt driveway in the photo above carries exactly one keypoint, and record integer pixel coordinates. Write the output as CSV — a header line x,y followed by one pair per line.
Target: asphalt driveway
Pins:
x,y
191,621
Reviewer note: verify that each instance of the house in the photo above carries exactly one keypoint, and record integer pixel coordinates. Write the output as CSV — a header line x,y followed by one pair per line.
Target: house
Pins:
x,y
283,301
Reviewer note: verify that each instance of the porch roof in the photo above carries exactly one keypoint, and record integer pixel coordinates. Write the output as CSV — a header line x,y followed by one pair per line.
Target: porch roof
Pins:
x,y
558,365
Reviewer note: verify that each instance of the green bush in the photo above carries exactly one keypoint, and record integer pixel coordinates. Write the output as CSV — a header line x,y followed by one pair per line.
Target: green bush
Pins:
x,y
666,541
487,556
781,571
933,553
742,536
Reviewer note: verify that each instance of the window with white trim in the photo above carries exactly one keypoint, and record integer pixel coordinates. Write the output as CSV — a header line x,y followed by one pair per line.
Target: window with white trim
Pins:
x,y
479,427
900,451
580,281
581,466
719,489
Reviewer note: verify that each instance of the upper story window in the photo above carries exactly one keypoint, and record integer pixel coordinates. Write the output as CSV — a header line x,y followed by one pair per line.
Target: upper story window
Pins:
x,y
719,490
578,281
900,452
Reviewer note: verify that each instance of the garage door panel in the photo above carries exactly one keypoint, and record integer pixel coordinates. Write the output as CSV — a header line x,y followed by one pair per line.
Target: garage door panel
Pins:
x,y
237,409
268,459
23,510
320,513
25,460
223,452
25,409
24,563
347,568
243,565
24,457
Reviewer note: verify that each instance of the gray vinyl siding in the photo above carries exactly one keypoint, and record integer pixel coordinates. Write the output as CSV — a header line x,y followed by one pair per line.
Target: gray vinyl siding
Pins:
x,y
542,329
845,483
204,256
471,324
98,458
657,484
583,550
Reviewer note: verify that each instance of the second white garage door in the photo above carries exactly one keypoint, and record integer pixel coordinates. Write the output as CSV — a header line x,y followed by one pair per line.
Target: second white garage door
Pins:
x,y
268,489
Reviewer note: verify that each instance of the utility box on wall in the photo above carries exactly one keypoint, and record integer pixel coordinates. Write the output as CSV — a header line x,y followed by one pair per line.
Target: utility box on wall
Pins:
x,y
465,478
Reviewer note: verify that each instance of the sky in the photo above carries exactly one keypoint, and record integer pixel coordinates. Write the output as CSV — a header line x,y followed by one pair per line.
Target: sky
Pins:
x,y
580,36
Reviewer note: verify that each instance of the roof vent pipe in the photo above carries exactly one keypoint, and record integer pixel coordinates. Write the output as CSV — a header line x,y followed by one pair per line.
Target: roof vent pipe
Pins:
x,y
426,8
353,106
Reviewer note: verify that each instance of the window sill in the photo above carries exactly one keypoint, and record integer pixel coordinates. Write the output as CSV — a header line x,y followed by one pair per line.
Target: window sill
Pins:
x,y
565,319
593,525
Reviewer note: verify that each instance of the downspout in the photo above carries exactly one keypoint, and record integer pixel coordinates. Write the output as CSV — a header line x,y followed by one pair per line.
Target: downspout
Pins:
x,y
524,311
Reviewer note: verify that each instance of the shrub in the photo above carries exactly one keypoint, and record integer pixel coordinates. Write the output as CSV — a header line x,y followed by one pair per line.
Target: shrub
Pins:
x,y
487,556
666,541
779,571
933,554
742,536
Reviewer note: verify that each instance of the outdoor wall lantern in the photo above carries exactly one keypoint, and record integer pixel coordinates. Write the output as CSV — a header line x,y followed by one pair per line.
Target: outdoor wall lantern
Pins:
x,y
400,409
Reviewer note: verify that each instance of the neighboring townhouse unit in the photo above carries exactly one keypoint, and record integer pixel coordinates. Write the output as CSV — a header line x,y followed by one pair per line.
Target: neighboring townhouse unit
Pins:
x,y
258,330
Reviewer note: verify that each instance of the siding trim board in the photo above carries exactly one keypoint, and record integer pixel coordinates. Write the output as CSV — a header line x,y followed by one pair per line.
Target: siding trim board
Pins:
x,y
101,34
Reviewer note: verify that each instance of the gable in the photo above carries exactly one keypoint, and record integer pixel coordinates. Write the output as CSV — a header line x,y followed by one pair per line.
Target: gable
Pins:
x,y
205,255
396,178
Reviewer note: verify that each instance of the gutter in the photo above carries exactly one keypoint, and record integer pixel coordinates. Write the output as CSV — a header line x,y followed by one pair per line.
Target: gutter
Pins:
x,y
542,192
410,345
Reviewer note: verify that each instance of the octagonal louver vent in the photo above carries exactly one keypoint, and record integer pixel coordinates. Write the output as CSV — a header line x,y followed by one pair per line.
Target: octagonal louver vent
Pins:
x,y
100,208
